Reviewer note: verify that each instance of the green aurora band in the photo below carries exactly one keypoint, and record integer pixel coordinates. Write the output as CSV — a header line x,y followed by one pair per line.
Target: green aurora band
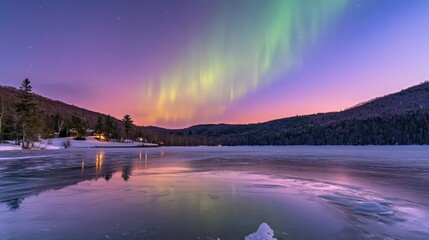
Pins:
x,y
244,45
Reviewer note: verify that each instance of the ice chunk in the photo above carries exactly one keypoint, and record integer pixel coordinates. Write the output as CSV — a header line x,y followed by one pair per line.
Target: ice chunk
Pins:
x,y
264,233
372,207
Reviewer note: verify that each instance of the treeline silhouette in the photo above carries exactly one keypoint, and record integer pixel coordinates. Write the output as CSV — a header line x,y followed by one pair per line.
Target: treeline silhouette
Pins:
x,y
411,128
399,118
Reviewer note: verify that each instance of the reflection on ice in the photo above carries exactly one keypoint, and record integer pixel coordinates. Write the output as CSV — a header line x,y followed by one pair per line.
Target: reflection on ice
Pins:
x,y
226,192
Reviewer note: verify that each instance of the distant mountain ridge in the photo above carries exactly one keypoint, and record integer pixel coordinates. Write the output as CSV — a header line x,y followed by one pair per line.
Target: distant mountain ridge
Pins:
x,y
410,99
398,118
391,115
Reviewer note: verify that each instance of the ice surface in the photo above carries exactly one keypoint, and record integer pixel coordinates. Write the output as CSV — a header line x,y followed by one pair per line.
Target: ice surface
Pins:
x,y
264,232
361,205
356,192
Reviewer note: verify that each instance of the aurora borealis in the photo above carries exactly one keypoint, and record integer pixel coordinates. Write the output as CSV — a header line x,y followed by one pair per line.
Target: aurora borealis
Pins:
x,y
179,63
234,55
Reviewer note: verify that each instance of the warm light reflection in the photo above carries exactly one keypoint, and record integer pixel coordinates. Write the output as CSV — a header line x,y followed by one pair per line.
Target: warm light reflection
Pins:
x,y
140,158
83,166
99,158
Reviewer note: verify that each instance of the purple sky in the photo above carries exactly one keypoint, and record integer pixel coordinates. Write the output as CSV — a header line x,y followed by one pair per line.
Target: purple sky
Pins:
x,y
179,63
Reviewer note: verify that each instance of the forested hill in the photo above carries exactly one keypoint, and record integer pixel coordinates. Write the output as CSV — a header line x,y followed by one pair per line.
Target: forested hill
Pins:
x,y
52,111
399,118
47,107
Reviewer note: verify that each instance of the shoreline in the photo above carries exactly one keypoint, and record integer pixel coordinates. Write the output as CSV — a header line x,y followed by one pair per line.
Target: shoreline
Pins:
x,y
59,143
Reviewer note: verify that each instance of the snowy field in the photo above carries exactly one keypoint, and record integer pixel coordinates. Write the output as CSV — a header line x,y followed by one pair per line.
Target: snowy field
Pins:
x,y
325,192
58,143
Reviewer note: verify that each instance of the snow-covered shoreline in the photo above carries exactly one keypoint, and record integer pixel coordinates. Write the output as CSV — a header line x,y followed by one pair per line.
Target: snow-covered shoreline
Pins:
x,y
9,147
58,143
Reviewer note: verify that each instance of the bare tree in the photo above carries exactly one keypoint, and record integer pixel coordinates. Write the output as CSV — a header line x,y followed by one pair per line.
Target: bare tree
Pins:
x,y
60,126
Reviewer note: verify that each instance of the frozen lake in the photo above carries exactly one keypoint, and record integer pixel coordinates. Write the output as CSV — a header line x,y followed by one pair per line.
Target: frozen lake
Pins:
x,y
326,192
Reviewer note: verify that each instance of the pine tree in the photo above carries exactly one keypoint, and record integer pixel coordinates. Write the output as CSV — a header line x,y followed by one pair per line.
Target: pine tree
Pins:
x,y
99,127
79,127
28,121
110,128
128,124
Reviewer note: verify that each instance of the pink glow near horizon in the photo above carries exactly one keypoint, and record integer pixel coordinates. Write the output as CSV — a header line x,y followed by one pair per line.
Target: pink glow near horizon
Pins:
x,y
175,65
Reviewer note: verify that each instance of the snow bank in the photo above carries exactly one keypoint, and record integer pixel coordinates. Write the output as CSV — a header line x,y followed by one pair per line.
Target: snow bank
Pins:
x,y
58,143
46,144
9,147
264,233
92,142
